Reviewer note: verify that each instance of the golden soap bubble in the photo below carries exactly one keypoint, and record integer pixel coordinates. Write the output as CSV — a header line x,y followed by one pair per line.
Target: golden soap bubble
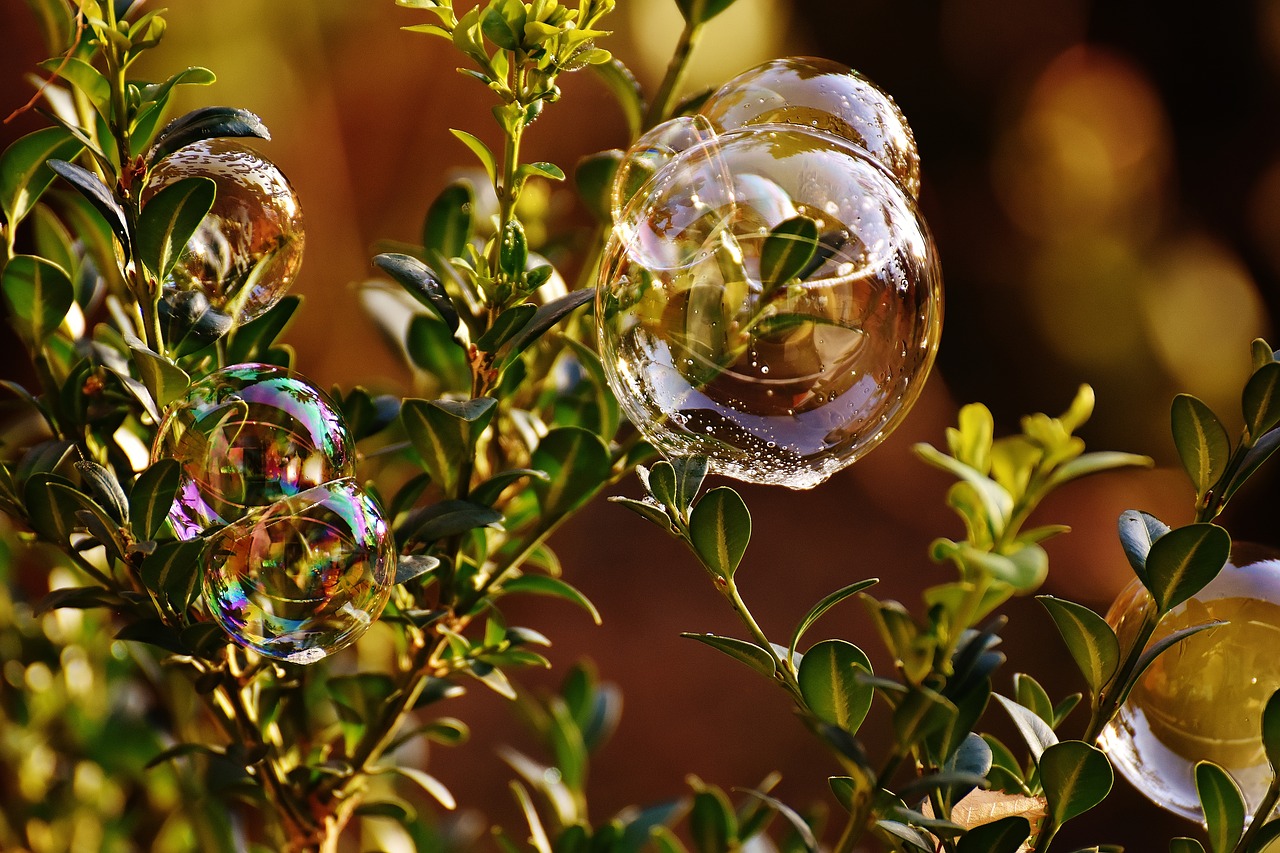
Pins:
x,y
304,577
1202,700
246,252
825,96
775,382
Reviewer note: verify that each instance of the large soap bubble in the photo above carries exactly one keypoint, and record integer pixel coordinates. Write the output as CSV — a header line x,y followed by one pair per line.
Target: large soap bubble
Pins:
x,y
247,250
781,382
1202,700
247,436
303,577
822,95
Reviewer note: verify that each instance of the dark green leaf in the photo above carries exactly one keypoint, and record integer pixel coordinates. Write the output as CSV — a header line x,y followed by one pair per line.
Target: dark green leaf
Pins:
x,y
105,489
700,11
97,194
507,325
627,91
450,220
49,510
1185,845
152,497
169,219
410,567
661,483
397,810
445,519
544,585
431,347
543,319
1002,836
1092,643
38,295
77,598
444,432
594,178
719,530
164,379
786,251
1271,731
1138,532
156,633
1182,561
1076,777
422,284
489,491
260,333
24,173
1253,458
740,650
513,250
181,750
690,472
822,607
920,713
828,682
1223,806
1261,400
651,512
1035,731
1202,442
712,823
577,464
205,123
174,570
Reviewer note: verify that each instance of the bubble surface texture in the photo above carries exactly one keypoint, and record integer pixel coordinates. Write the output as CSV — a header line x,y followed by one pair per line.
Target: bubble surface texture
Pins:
x,y
247,436
246,252
778,382
304,577
1202,700
821,95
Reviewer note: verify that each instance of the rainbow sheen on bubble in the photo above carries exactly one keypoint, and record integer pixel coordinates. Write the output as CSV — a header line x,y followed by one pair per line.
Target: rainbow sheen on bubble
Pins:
x,y
247,436
821,95
247,251
304,577
774,384
1202,700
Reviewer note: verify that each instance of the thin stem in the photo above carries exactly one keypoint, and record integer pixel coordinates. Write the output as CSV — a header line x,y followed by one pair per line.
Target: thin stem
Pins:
x,y
664,100
784,671
1111,695
1265,808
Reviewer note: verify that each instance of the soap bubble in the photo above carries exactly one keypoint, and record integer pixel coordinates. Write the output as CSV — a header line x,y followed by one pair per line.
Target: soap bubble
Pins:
x,y
247,436
822,95
654,150
303,577
775,382
1202,700
247,250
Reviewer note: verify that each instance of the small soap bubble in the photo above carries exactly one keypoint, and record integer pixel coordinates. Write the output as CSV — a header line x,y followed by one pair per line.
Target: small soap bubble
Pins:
x,y
247,436
652,151
707,358
246,252
1202,700
826,96
304,577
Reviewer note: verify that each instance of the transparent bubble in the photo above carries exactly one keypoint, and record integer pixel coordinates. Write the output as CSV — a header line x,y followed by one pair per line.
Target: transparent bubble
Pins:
x,y
1202,700
652,151
303,577
821,95
247,436
775,382
248,249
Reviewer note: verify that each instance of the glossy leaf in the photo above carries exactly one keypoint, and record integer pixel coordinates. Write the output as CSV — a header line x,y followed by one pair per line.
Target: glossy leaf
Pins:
x,y
1076,777
712,823
700,11
444,432
410,567
152,497
648,511
481,151
1002,836
97,194
169,219
1202,442
164,379
740,650
1092,643
422,284
450,220
444,519
1223,806
38,295
205,123
719,530
547,316
1138,532
433,786
24,170
173,570
105,489
1271,731
1035,731
828,681
1183,561
921,713
84,77
1261,400
506,326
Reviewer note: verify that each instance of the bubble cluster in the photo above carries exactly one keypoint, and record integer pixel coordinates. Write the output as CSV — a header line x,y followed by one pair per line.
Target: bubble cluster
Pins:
x,y
1202,700
299,560
246,252
770,296
303,577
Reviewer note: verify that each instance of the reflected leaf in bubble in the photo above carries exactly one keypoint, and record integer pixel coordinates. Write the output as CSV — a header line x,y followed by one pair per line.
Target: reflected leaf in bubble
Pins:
x,y
247,436
798,332
820,95
247,251
304,577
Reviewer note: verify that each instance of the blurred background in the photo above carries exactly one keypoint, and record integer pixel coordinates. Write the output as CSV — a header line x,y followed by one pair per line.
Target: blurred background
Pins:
x,y
1102,178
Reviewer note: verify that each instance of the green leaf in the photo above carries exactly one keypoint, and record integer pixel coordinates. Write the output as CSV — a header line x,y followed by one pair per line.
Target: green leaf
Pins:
x,y
1223,806
919,714
77,598
626,91
513,250
444,432
550,171
425,781
1183,561
786,251
1002,836
450,220
503,23
543,319
49,510
740,650
1185,845
1202,442
413,566
577,464
802,829
98,195
701,11
422,284
169,219
38,295
1092,643
712,823
650,512
205,123
1138,532
105,488
828,681
164,379
84,77
489,491
1035,731
1261,400
259,334
1093,463
1253,458
1271,731
174,570
1160,646
594,178
1076,777
507,325
444,519
24,170
554,587
719,530
481,151
1030,695
397,810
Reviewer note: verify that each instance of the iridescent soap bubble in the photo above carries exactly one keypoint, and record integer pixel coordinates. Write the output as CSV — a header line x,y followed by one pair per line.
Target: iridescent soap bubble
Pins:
x,y
774,383
1202,700
822,95
247,436
247,250
303,577
652,151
